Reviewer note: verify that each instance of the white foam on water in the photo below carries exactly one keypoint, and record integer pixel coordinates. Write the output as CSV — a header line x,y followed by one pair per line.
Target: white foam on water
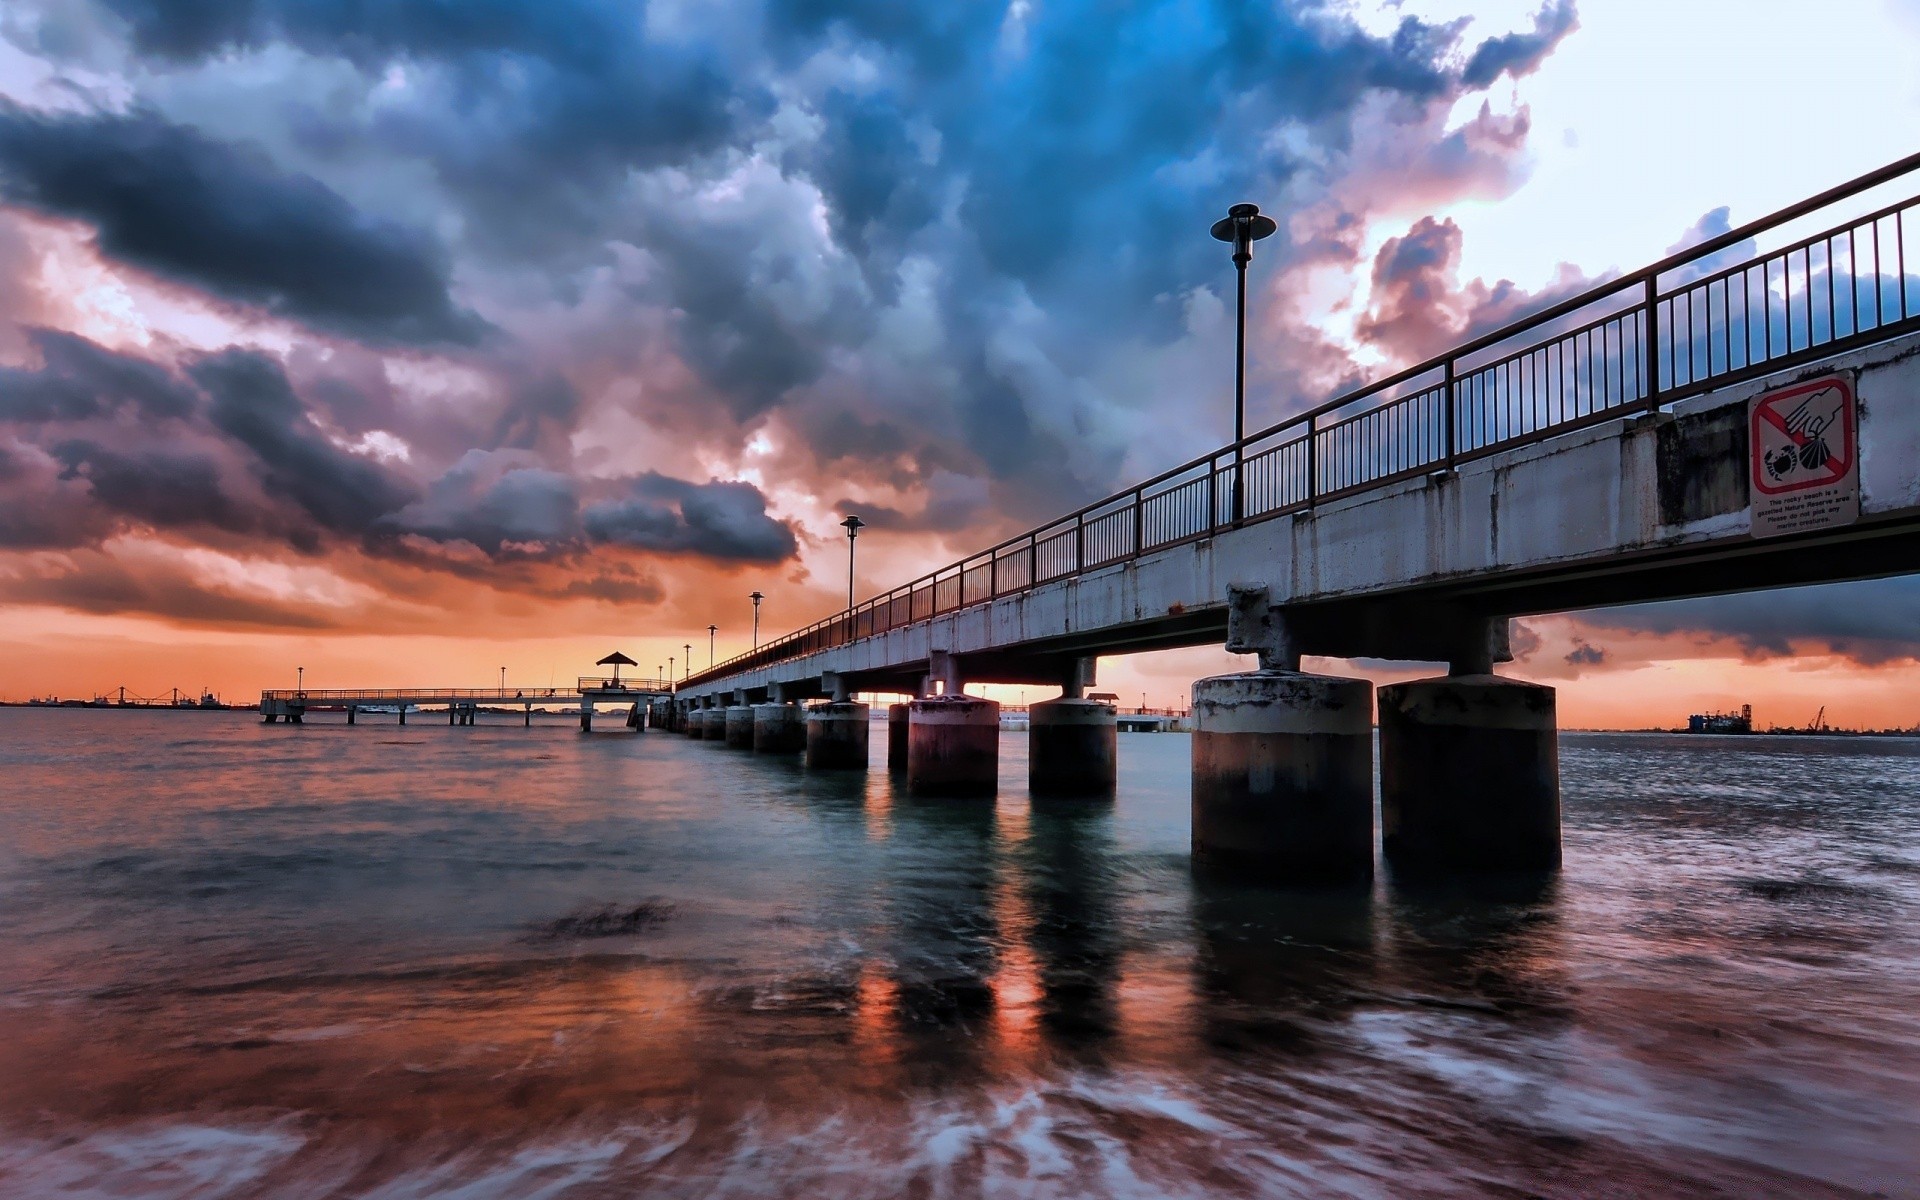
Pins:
x,y
150,1162
540,1172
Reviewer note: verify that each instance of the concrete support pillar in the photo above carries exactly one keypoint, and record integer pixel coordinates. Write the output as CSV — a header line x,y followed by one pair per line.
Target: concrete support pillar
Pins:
x,y
352,712
896,737
1071,748
1283,777
403,714
779,729
450,715
953,746
529,713
837,733
1469,776
739,727
696,723
586,715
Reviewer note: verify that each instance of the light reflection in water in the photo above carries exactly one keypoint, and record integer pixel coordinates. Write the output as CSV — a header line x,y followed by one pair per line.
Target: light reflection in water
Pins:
x,y
242,961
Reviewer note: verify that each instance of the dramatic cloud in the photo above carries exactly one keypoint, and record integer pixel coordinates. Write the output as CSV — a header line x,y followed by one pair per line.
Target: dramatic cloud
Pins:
x,y
739,265
224,218
717,520
1872,622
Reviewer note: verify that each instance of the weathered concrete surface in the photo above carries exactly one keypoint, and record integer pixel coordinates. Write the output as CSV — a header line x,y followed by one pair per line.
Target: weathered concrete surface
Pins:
x,y
953,746
1469,776
837,735
1283,777
1072,748
896,737
738,727
1640,508
779,729
696,723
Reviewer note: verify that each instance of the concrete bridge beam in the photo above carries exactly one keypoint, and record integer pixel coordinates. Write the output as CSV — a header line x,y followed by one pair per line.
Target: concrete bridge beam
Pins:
x,y
953,745
1283,777
837,735
1469,776
737,727
779,728
896,737
1072,742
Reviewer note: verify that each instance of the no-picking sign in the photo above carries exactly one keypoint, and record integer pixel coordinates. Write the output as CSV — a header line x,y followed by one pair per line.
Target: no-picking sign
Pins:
x,y
1804,457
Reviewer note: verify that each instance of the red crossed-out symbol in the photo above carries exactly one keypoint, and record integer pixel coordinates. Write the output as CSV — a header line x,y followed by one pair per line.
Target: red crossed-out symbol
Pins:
x,y
1803,437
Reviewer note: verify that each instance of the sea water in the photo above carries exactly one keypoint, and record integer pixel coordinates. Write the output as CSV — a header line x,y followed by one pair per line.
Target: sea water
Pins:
x,y
241,960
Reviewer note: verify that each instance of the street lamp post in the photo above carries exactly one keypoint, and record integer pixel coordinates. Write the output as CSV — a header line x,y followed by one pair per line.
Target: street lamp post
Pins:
x,y
300,679
1243,226
503,679
756,598
711,630
688,659
669,668
853,525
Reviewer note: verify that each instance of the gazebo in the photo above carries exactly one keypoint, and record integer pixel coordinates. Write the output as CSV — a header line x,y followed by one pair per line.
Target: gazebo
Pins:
x,y
616,660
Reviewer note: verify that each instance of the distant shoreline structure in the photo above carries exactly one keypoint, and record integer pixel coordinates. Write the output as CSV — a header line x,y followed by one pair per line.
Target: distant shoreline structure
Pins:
x,y
101,703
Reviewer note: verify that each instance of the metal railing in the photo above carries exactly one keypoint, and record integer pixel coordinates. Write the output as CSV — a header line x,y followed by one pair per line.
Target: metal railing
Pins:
x,y
1684,325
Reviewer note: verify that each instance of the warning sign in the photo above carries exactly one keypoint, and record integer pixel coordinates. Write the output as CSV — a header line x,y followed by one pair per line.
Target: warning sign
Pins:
x,y
1804,457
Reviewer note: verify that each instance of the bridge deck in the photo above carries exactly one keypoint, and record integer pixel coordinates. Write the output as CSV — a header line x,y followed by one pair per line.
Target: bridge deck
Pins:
x,y
599,690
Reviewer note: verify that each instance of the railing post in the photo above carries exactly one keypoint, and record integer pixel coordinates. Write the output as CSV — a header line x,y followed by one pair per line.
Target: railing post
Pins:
x,y
1033,560
993,575
1313,461
1652,341
1452,436
1139,524
1079,544
1213,492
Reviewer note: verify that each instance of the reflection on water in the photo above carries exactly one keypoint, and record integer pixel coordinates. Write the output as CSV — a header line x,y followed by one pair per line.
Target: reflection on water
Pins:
x,y
262,961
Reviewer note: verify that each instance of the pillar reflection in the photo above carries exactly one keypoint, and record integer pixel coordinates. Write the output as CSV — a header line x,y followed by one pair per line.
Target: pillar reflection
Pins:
x,y
945,934
1274,965
1070,881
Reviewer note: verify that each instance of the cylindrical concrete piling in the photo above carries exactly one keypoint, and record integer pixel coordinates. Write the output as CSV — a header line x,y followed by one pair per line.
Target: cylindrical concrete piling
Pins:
x,y
779,729
1469,776
837,733
896,737
696,723
953,746
1283,777
1071,748
738,726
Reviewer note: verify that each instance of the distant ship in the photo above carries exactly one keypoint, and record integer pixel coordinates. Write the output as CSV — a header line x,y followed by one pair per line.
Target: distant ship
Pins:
x,y
1722,722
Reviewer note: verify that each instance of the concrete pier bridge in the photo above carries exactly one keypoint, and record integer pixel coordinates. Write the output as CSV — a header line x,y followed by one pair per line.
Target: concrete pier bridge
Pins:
x,y
1740,416
463,704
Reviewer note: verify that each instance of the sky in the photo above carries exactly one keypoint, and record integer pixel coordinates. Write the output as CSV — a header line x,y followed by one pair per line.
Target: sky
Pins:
x,y
404,342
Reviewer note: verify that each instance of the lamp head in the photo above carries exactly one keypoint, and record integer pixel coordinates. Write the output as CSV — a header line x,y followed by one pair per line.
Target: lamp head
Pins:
x,y
1244,225
853,525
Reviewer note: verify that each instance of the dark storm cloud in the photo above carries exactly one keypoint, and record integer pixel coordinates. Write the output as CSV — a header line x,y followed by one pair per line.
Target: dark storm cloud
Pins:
x,y
92,582
220,217
79,379
1519,53
1871,622
157,486
253,404
1585,654
718,520
530,110
494,500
